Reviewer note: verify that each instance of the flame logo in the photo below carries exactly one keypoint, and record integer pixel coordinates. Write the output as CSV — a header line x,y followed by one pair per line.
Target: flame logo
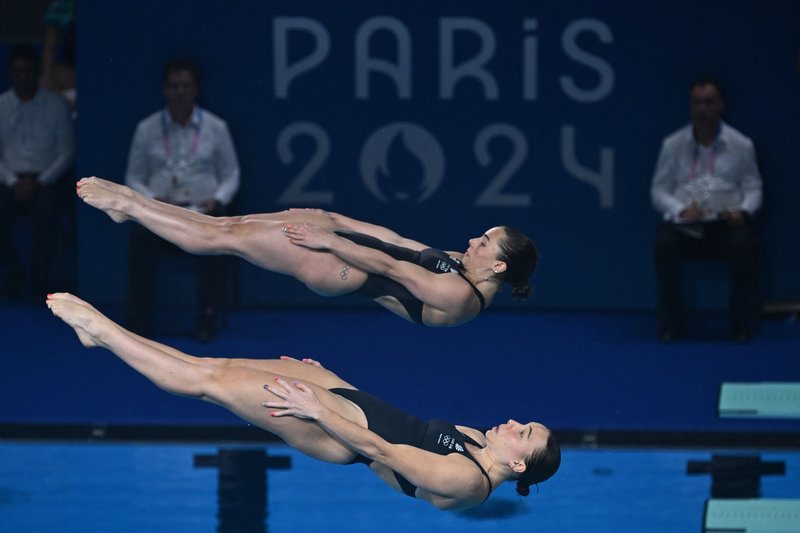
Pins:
x,y
402,162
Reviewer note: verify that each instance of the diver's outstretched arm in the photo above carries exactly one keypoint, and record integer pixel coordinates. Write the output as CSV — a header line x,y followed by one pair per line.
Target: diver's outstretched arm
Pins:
x,y
379,232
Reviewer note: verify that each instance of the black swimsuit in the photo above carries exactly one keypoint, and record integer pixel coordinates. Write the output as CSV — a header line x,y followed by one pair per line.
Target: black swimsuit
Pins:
x,y
431,259
398,427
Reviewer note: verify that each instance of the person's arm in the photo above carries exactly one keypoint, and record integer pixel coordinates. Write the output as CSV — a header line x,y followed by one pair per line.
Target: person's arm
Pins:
x,y
751,182
443,476
663,185
65,143
136,174
227,167
49,46
750,186
445,293
6,176
373,230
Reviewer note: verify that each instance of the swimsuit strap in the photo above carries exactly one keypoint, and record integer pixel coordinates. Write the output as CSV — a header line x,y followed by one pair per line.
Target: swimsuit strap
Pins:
x,y
478,293
470,440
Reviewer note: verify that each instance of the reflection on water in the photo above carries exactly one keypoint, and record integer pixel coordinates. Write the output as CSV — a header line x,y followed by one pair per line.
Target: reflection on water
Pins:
x,y
242,486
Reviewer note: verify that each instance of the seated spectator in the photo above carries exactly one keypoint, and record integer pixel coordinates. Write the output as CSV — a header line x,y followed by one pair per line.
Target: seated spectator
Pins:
x,y
36,152
183,155
707,187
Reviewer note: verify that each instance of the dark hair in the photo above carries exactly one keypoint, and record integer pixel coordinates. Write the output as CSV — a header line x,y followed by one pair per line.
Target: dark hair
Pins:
x,y
700,82
174,65
540,466
25,51
520,255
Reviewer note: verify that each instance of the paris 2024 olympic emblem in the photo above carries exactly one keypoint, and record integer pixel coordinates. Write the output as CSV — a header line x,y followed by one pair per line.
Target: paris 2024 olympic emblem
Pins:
x,y
402,163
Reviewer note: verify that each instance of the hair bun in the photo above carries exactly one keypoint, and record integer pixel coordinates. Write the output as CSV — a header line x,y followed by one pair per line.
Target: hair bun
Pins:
x,y
521,291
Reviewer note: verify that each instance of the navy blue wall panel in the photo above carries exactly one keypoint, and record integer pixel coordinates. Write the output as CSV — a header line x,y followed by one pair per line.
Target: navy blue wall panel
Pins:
x,y
442,119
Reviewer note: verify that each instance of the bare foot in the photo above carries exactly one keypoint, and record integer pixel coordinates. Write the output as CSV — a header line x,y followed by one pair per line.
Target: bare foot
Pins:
x,y
87,321
106,196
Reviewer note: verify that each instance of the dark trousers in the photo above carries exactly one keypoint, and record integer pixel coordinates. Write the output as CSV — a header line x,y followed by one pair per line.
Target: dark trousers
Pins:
x,y
145,249
735,244
46,212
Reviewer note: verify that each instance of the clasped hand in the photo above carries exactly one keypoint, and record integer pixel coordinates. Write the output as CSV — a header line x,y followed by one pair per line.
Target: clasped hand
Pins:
x,y
25,187
694,213
308,235
733,218
297,400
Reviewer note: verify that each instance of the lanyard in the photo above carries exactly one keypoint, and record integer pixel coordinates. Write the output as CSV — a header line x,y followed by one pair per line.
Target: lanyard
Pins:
x,y
709,161
165,133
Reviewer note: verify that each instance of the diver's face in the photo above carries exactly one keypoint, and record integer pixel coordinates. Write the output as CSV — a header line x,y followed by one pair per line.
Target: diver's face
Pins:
x,y
484,250
517,441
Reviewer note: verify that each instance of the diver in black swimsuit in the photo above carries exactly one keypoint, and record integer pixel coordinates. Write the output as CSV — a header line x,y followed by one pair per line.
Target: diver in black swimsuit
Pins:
x,y
321,415
428,290
431,259
423,284
397,427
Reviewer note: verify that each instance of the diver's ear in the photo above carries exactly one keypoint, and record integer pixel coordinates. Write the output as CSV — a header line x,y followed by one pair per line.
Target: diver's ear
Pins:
x,y
518,466
499,267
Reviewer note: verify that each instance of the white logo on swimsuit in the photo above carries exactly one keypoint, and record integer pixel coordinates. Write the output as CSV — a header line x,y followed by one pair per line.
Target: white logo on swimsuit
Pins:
x,y
442,266
448,442
459,448
401,163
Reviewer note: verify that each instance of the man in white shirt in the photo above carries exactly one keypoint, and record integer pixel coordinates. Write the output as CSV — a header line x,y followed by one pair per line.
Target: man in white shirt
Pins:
x,y
184,155
36,152
707,187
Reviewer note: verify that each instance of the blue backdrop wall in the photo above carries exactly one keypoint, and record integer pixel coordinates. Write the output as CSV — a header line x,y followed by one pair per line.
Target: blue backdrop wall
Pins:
x,y
441,119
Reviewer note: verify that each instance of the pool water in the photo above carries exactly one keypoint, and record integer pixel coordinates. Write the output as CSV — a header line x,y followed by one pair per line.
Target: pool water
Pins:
x,y
57,487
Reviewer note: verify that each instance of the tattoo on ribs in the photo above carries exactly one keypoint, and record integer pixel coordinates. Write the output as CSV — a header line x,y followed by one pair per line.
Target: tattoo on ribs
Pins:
x,y
343,273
